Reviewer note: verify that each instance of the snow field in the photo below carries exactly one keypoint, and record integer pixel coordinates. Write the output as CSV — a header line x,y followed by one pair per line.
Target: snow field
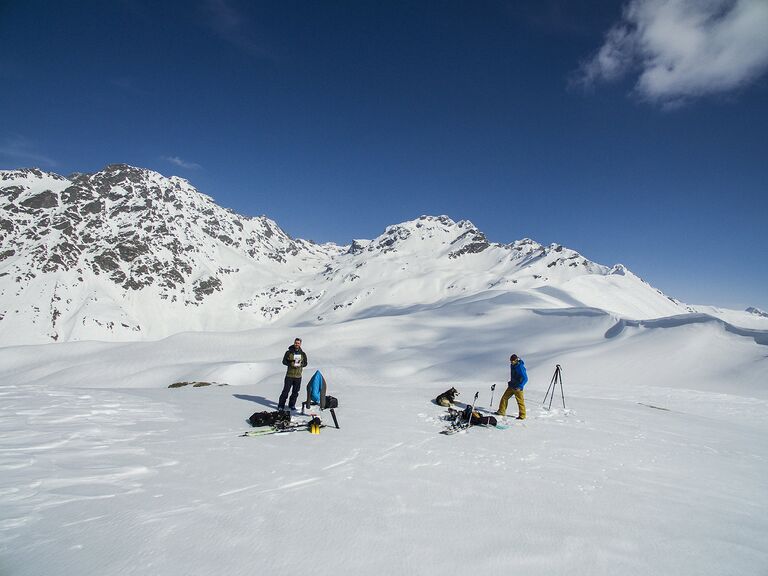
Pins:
x,y
657,465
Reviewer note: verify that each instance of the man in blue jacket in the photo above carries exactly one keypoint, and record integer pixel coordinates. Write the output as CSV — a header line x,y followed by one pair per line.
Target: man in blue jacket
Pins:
x,y
517,380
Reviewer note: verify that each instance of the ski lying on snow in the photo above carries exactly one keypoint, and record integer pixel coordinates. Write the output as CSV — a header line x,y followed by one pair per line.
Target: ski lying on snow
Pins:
x,y
265,430
292,427
273,430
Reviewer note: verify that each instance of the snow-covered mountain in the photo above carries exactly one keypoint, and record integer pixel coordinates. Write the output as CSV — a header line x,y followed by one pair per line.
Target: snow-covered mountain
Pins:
x,y
757,312
128,254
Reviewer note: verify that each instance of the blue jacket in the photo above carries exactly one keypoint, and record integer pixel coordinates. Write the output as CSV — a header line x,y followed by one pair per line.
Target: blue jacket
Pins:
x,y
316,389
518,376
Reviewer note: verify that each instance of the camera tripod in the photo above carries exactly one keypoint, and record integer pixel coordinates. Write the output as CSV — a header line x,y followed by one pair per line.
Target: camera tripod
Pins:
x,y
557,378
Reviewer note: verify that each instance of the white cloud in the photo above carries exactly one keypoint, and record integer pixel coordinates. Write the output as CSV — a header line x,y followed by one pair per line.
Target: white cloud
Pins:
x,y
681,49
182,163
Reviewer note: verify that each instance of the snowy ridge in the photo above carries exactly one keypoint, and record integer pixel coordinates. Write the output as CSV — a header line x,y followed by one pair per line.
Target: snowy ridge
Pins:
x,y
760,336
127,254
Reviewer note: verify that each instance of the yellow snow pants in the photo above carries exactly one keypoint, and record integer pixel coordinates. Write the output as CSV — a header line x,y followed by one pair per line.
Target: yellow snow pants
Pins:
x,y
518,394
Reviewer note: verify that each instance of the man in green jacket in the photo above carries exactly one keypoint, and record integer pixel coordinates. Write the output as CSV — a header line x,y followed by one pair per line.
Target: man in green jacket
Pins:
x,y
296,360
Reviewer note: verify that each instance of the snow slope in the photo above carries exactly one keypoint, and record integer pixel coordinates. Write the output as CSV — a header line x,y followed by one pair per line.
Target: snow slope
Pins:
x,y
657,465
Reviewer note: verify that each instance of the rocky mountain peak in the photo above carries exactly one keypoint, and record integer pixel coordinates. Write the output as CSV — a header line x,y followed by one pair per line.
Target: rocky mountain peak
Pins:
x,y
128,253
757,312
445,237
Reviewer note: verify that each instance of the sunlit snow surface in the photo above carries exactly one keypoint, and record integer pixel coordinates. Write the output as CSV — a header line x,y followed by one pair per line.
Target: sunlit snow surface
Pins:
x,y
657,465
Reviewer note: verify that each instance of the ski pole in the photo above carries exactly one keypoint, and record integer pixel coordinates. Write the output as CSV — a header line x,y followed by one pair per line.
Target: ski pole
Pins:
x,y
474,400
493,387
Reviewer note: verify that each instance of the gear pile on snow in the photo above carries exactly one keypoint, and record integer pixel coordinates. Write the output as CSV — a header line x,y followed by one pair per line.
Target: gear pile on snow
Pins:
x,y
461,420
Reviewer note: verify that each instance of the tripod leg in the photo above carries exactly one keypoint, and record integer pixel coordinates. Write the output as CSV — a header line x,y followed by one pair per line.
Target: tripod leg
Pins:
x,y
552,397
553,384
548,389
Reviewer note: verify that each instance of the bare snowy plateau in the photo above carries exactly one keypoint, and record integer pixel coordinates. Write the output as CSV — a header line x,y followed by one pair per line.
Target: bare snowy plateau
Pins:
x,y
118,284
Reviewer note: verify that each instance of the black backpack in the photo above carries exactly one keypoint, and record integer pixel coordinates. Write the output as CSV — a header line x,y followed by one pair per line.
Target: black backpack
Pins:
x,y
479,420
331,402
269,418
467,413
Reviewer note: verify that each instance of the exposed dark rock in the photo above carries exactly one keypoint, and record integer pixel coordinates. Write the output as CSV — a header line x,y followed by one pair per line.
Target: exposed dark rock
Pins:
x,y
12,192
472,248
194,384
206,287
131,251
6,225
136,284
118,277
107,261
356,247
757,312
63,256
45,199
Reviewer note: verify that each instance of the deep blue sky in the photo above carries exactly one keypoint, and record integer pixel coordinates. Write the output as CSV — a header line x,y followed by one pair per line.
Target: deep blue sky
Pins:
x,y
337,119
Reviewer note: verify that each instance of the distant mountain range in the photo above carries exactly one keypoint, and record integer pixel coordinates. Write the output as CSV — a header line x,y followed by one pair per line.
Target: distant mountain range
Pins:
x,y
128,254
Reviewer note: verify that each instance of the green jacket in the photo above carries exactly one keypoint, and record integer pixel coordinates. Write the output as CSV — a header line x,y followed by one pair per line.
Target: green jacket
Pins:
x,y
295,365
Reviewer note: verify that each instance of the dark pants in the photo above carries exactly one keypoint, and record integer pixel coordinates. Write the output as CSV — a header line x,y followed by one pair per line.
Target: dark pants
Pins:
x,y
291,385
